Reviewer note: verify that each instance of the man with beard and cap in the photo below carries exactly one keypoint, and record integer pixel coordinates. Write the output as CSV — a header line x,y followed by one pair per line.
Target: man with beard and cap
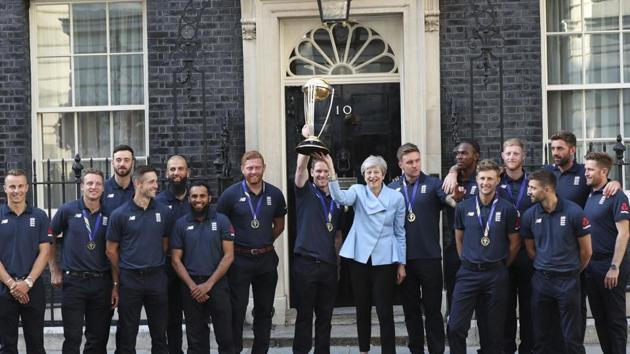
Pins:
x,y
607,272
24,250
137,241
118,188
557,238
422,288
256,210
89,293
202,251
175,196
317,243
513,188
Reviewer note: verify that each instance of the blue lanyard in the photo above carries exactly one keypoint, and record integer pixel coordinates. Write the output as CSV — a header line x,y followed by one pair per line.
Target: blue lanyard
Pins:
x,y
521,191
486,229
91,233
249,201
327,214
412,200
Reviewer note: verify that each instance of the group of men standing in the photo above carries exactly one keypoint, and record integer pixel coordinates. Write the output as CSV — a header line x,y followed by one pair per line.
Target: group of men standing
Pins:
x,y
542,240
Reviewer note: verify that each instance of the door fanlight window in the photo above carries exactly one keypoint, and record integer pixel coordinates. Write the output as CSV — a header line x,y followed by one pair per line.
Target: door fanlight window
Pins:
x,y
342,49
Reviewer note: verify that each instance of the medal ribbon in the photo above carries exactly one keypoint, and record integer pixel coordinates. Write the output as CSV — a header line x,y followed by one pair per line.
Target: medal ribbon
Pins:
x,y
521,191
249,201
486,230
91,235
412,200
327,214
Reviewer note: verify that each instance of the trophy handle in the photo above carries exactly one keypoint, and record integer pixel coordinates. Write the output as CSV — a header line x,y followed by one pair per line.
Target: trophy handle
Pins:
x,y
332,98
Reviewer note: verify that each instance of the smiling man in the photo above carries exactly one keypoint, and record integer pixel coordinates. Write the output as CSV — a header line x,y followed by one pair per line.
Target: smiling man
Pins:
x,y
118,188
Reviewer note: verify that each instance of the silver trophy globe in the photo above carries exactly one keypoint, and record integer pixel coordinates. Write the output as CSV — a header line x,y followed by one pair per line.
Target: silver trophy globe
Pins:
x,y
315,90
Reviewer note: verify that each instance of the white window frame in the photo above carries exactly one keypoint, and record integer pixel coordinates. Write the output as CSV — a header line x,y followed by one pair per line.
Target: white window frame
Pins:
x,y
582,140
36,141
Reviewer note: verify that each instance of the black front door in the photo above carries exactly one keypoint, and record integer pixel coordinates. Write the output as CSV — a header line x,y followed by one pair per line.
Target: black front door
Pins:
x,y
364,120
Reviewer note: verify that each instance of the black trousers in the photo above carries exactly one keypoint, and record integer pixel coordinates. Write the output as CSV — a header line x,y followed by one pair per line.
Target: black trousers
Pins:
x,y
554,294
422,289
451,266
520,292
219,308
374,285
32,315
175,316
486,293
136,290
315,285
608,306
86,300
262,274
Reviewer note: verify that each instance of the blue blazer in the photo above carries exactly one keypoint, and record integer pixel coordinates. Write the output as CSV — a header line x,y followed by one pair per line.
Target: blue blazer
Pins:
x,y
378,229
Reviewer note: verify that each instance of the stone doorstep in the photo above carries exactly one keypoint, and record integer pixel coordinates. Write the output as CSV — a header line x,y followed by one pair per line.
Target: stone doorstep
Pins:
x,y
281,336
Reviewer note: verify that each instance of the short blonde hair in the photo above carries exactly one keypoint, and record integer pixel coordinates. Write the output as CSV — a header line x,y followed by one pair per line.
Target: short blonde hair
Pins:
x,y
374,161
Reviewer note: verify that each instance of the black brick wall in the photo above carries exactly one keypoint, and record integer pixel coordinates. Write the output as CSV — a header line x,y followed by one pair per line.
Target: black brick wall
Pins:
x,y
15,89
218,54
519,24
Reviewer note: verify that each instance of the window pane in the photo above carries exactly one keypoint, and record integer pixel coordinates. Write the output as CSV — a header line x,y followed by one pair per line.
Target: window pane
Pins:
x,y
606,147
91,80
57,131
626,114
601,15
563,15
626,56
565,111
89,28
601,53
129,129
53,82
626,14
564,59
53,30
602,113
125,23
127,79
93,134
59,193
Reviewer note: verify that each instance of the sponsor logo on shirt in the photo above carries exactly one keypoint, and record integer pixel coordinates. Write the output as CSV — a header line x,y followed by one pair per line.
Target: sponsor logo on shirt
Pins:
x,y
214,226
269,200
4,221
585,223
497,216
79,215
623,207
32,222
190,227
563,221
111,195
170,207
423,189
504,186
471,213
231,231
158,217
576,181
242,199
538,221
398,189
132,218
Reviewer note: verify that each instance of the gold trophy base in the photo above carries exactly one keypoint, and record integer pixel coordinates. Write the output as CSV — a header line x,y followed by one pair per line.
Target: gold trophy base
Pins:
x,y
311,145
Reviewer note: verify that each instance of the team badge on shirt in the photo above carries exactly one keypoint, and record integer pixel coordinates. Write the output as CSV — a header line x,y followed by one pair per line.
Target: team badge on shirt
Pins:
x,y
602,200
473,189
623,208
105,220
563,221
576,181
269,200
497,216
158,217
32,222
585,223
423,189
214,226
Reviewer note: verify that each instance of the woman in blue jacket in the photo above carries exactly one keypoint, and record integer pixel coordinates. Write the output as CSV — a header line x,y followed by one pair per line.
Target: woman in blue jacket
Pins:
x,y
375,248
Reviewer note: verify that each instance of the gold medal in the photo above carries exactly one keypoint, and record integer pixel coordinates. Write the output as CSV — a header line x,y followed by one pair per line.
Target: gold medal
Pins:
x,y
329,226
411,217
485,241
255,224
91,245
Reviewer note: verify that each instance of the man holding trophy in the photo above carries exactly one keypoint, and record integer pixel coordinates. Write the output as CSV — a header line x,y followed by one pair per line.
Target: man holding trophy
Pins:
x,y
318,236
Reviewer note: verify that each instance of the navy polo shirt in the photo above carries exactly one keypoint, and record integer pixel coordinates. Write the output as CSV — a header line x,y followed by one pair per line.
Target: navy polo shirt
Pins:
x,y
504,222
313,238
114,195
20,237
555,235
423,235
201,241
139,233
470,191
75,255
178,207
233,203
508,184
571,184
603,213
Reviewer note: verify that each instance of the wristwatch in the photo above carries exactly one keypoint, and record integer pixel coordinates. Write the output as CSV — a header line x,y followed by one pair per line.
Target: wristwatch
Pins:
x,y
29,282
613,266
